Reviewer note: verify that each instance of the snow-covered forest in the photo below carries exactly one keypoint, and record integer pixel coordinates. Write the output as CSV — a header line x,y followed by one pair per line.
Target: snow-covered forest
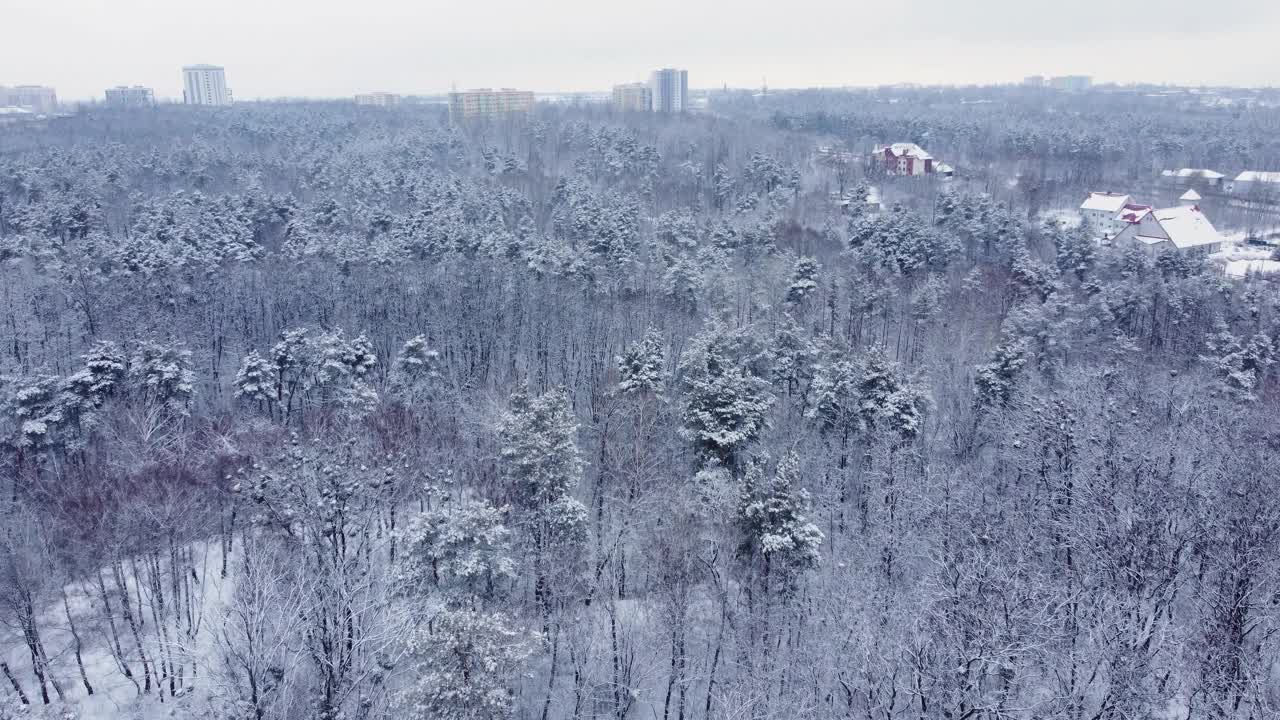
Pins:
x,y
311,411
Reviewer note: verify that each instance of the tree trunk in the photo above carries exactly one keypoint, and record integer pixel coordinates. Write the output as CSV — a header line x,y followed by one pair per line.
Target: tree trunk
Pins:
x,y
75,636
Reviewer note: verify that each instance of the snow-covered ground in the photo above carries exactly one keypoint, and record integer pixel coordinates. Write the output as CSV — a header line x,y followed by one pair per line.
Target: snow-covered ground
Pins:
x,y
1066,217
1240,269
1240,259
116,696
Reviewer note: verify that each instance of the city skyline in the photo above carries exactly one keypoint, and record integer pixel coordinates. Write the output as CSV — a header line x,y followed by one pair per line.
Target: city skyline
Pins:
x,y
408,49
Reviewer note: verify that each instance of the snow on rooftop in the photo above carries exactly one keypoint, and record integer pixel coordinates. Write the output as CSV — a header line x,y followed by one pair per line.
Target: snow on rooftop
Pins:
x,y
1105,202
1191,196
1258,176
907,149
1132,213
1187,227
1200,173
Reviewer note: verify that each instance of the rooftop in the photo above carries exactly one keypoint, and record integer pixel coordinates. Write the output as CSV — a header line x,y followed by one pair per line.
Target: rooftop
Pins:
x,y
1105,202
1187,227
1132,212
906,149
1258,176
1203,173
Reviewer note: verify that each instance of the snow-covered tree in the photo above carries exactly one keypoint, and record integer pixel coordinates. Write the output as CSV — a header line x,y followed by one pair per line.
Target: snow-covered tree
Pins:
x,y
416,368
256,380
642,367
540,463
464,665
726,403
776,532
804,280
1240,364
163,375
462,549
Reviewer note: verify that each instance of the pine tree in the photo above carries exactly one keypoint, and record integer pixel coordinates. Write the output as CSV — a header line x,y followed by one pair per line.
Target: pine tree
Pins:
x,y
804,281
994,381
256,380
163,375
726,403
105,367
642,367
1240,365
415,370
541,465
464,666
775,530
538,448
463,550
835,396
1076,251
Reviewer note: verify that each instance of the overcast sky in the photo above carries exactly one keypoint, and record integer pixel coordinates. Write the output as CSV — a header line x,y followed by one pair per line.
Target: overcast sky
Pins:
x,y
327,48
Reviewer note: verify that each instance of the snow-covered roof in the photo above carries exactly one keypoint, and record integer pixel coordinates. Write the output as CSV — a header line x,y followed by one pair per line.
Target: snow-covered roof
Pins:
x,y
1258,176
945,168
1200,173
1105,201
1132,212
1191,196
1187,227
907,149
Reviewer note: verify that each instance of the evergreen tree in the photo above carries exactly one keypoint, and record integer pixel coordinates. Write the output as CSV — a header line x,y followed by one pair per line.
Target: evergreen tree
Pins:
x,y
464,666
256,380
415,370
642,367
726,403
163,375
776,534
804,281
462,549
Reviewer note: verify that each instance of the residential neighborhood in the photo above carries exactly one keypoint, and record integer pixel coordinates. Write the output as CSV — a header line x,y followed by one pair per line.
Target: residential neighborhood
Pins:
x,y
1119,220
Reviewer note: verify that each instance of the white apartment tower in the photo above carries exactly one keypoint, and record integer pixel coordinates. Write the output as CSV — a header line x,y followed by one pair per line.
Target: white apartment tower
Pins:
x,y
670,90
205,85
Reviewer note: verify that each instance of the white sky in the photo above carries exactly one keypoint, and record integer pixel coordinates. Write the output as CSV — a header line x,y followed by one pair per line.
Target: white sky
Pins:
x,y
327,48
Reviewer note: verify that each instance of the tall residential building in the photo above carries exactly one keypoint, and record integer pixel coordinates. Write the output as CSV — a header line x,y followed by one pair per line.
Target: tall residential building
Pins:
x,y
205,85
379,99
670,89
632,97
486,102
36,98
136,96
1073,83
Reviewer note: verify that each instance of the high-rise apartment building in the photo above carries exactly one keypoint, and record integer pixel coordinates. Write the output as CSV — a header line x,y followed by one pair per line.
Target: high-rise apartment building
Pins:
x,y
486,102
378,99
670,89
205,85
136,96
1071,83
36,98
632,97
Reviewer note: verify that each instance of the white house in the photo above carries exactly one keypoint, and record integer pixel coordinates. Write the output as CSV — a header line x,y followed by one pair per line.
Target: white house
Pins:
x,y
1102,210
1180,229
1256,181
1195,176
